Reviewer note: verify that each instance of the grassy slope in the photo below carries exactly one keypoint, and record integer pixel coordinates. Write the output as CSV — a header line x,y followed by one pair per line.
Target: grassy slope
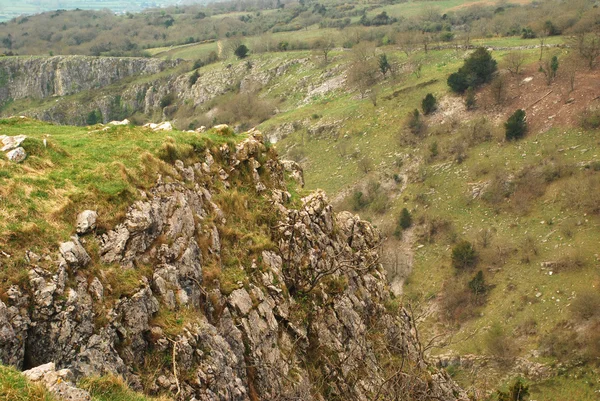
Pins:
x,y
80,168
559,229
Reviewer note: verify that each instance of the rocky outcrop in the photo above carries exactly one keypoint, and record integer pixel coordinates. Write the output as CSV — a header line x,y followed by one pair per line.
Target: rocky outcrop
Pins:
x,y
59,382
42,77
287,304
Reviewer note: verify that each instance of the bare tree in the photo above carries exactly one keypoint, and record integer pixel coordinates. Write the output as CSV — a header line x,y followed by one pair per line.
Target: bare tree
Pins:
x,y
498,88
514,61
324,46
542,36
407,42
425,39
570,69
362,73
588,46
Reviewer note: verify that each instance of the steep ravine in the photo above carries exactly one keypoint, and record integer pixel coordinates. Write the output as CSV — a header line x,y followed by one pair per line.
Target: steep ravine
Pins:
x,y
65,89
242,291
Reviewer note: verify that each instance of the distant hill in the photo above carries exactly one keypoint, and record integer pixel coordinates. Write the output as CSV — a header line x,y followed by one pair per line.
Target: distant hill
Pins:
x,y
10,9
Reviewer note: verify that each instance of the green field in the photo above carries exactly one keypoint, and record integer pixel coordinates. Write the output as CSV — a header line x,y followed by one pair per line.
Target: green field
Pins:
x,y
10,9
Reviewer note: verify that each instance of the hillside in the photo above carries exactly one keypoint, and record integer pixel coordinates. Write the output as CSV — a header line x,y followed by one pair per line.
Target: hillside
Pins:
x,y
195,273
479,247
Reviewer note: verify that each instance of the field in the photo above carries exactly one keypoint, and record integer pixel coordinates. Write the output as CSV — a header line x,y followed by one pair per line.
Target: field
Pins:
x,y
10,9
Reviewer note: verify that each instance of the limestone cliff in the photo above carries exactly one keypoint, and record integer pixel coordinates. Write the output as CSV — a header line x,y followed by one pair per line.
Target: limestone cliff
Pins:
x,y
42,77
100,84
241,291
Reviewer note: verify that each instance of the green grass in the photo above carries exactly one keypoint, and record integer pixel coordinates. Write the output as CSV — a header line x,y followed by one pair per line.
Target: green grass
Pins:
x,y
15,387
80,169
111,388
414,8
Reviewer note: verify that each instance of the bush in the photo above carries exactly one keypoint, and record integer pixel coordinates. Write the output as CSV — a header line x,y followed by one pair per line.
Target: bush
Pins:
x,y
414,122
404,222
478,69
590,119
194,78
516,125
241,51
477,285
429,104
458,82
518,391
464,255
586,306
498,343
167,100
94,117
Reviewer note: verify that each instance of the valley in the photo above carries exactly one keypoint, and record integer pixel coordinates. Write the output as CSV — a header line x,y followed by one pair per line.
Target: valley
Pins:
x,y
486,238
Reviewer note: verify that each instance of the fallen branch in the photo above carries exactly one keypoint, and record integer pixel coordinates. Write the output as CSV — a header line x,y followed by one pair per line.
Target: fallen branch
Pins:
x,y
539,100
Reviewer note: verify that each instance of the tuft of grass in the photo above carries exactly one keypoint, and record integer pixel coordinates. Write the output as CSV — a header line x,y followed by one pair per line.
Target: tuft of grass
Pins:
x,y
113,388
15,387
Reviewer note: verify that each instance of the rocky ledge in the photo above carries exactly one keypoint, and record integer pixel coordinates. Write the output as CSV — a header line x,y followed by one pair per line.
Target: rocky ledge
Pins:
x,y
309,316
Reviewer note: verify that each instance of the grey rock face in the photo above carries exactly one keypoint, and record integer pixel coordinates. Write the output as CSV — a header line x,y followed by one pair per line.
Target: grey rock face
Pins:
x,y
16,155
86,221
43,77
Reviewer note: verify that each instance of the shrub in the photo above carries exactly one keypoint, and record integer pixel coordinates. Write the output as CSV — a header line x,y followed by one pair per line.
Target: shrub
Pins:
x,y
167,100
586,305
414,122
518,391
477,69
241,51
498,343
404,222
194,78
590,119
477,284
458,82
516,125
464,255
94,117
429,104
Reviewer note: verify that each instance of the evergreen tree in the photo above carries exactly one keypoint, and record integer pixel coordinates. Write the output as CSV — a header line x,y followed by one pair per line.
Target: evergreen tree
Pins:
x,y
429,104
516,125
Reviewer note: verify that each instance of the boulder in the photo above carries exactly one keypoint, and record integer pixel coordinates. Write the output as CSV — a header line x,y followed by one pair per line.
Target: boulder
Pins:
x,y
124,122
11,142
58,382
86,221
17,155
74,253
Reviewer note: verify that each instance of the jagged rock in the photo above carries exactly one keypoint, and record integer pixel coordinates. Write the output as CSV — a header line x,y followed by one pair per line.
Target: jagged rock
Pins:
x,y
13,330
58,382
164,126
295,171
241,301
17,155
317,291
117,123
221,128
74,253
11,142
86,221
